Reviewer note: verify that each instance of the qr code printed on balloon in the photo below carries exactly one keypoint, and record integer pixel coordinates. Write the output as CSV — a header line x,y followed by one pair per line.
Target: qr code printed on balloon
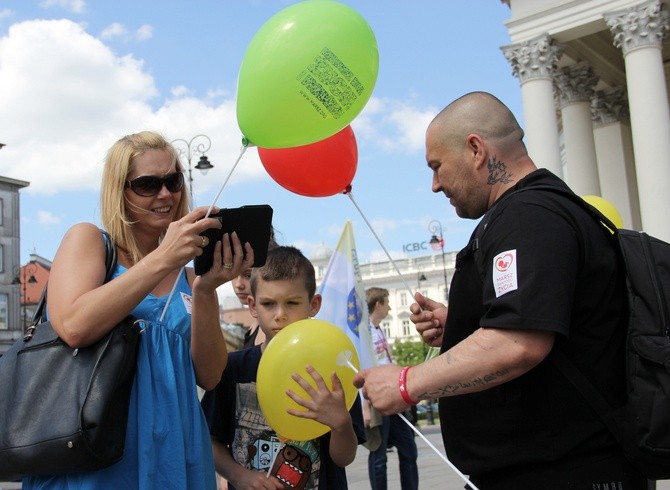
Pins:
x,y
331,82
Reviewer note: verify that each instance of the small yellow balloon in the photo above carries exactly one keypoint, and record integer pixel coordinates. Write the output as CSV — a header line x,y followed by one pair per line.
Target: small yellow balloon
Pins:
x,y
607,208
315,342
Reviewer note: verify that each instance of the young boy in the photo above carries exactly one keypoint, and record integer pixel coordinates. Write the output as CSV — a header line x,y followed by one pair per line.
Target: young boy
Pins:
x,y
244,445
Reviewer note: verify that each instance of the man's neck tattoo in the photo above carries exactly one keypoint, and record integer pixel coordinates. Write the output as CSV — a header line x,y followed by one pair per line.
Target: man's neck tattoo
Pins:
x,y
498,172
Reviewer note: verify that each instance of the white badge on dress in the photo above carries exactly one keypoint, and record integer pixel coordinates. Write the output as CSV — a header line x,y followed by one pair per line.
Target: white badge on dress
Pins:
x,y
504,273
188,302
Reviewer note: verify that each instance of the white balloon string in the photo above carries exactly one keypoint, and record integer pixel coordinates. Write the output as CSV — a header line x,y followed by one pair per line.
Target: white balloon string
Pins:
x,y
218,194
274,457
341,360
432,351
174,286
209,211
351,197
437,451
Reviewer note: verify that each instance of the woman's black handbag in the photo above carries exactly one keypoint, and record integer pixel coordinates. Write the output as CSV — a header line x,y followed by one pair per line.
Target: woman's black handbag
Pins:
x,y
62,409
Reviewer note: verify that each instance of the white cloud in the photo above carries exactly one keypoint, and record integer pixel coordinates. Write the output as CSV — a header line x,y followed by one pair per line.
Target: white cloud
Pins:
x,y
114,30
412,124
144,32
121,32
395,125
70,97
76,6
180,91
47,218
382,225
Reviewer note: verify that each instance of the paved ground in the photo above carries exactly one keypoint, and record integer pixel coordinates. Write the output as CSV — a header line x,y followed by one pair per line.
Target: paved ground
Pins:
x,y
434,472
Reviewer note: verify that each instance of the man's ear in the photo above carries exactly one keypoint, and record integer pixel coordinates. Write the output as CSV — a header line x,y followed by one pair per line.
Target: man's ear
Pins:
x,y
315,305
252,306
476,149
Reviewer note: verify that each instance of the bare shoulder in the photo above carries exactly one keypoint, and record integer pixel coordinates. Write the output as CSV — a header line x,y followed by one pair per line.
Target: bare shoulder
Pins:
x,y
82,231
81,243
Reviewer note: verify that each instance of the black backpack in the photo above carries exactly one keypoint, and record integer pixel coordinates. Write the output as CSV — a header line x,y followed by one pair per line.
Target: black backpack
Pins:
x,y
642,424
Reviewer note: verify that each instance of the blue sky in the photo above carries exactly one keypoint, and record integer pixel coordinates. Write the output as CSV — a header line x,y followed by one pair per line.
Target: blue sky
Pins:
x,y
75,75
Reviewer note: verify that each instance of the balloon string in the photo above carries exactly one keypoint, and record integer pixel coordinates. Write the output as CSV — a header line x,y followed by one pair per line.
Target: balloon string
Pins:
x,y
437,451
209,211
432,351
351,197
274,457
211,206
167,303
430,444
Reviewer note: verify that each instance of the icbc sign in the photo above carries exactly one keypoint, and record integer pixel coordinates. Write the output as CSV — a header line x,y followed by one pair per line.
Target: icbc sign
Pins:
x,y
415,247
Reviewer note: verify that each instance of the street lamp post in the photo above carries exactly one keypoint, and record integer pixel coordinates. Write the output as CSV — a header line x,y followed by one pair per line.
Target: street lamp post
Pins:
x,y
435,228
197,145
20,279
430,417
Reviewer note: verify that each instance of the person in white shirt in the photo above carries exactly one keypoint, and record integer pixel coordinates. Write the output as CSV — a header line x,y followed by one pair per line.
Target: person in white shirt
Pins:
x,y
394,430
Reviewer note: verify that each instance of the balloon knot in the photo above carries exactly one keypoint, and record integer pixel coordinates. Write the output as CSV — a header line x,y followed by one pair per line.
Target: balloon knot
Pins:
x,y
347,189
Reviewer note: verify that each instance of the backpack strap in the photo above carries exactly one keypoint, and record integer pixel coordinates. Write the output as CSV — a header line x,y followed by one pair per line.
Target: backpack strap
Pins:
x,y
588,391
40,309
498,207
558,358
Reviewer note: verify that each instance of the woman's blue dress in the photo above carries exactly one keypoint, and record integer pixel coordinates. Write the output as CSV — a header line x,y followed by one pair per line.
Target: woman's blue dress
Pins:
x,y
167,439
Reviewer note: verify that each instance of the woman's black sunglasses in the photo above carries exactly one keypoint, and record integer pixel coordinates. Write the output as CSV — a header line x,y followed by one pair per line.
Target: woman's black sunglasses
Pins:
x,y
149,185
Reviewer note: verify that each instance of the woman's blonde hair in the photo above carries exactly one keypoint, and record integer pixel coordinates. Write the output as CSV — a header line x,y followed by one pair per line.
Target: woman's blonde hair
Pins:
x,y
113,203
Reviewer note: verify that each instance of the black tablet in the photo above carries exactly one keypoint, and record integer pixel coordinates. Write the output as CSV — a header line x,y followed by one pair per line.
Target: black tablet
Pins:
x,y
252,223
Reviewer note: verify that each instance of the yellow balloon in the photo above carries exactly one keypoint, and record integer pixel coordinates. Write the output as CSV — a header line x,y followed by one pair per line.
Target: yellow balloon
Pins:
x,y
607,208
315,342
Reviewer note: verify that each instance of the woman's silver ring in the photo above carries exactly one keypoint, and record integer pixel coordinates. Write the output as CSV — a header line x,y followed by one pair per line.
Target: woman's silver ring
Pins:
x,y
227,266
203,241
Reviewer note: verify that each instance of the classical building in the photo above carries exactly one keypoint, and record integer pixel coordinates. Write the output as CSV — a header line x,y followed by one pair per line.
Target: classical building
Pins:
x,y
11,314
593,76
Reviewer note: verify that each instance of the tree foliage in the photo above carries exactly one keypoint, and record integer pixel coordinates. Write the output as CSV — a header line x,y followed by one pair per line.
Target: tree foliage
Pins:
x,y
409,352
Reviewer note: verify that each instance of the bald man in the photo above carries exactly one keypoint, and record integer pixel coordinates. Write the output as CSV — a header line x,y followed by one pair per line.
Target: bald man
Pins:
x,y
538,275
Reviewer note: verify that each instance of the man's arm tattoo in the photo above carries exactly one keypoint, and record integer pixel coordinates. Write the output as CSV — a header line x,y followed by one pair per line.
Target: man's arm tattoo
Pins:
x,y
498,172
452,389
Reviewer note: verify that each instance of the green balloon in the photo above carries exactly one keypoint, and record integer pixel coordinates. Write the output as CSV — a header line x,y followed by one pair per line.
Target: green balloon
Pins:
x,y
308,71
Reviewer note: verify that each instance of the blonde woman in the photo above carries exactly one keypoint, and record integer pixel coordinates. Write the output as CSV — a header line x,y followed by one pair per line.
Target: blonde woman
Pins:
x,y
145,209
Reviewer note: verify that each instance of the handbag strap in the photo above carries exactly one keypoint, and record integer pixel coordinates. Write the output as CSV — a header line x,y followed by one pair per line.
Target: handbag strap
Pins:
x,y
40,309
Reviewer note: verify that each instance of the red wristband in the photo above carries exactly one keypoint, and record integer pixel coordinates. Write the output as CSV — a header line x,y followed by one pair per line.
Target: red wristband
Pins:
x,y
402,385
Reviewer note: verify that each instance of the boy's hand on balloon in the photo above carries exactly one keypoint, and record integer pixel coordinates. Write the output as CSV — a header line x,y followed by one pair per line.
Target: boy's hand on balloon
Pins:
x,y
325,406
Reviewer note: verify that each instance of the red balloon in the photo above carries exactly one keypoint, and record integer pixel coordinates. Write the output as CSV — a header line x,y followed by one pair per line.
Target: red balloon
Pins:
x,y
320,169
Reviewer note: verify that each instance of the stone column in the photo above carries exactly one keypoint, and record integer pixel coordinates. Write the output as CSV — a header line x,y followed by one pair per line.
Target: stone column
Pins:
x,y
638,31
534,63
614,150
574,87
